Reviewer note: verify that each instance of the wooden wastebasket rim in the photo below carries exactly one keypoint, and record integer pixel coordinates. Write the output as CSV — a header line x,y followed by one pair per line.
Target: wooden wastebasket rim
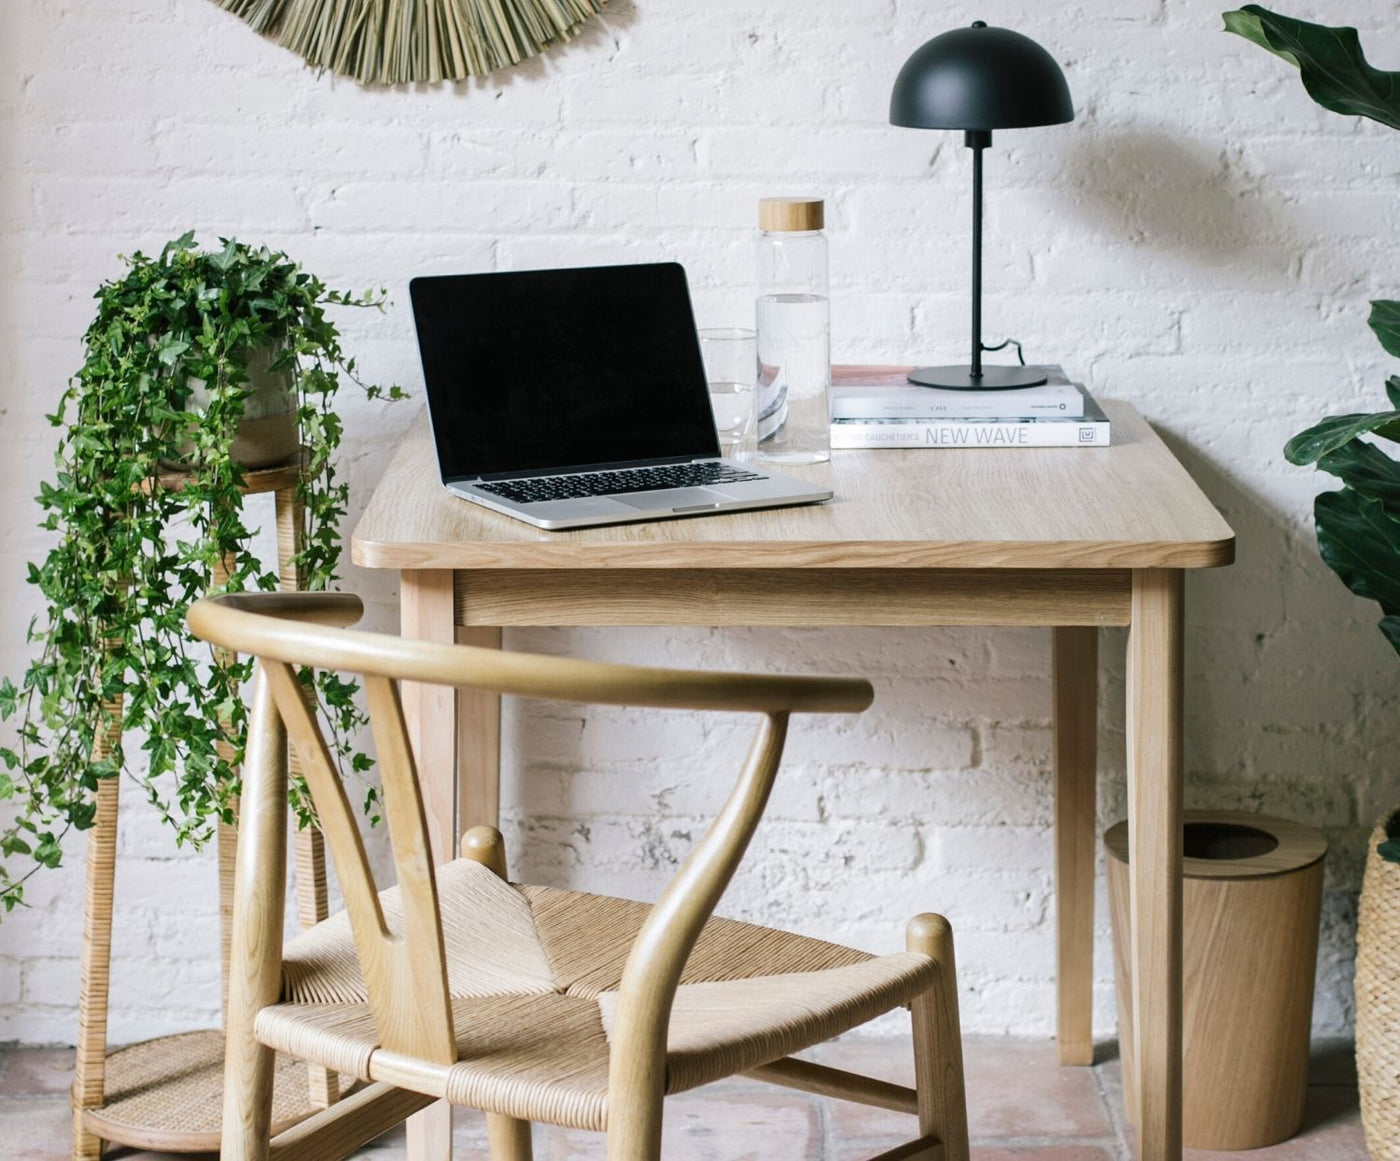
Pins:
x,y
1298,846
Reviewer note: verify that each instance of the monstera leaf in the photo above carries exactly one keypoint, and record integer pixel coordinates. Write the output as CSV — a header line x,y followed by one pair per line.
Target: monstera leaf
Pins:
x,y
1368,470
1385,321
1333,67
1358,528
1322,443
1360,542
1308,447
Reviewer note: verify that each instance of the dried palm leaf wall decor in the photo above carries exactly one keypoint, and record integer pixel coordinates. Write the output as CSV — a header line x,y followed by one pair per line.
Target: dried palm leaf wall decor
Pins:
x,y
391,42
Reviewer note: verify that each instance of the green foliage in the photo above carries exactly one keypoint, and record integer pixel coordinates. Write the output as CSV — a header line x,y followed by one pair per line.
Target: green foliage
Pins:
x,y
1336,431
134,549
1358,527
1333,67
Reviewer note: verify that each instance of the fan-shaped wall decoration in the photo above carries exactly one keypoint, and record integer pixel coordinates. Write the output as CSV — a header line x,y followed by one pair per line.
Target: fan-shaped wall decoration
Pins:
x,y
390,42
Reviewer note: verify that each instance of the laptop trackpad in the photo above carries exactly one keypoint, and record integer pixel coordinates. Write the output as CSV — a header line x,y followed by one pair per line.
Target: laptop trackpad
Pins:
x,y
664,498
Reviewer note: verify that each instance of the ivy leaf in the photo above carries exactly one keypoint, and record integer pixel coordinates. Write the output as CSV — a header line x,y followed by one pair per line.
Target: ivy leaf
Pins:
x,y
1309,446
8,697
48,852
184,242
225,259
172,349
1333,68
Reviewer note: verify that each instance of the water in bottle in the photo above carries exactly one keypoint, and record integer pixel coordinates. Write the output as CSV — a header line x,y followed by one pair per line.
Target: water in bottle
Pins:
x,y
794,333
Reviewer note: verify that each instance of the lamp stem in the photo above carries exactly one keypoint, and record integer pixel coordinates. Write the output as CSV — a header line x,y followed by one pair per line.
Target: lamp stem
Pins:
x,y
977,140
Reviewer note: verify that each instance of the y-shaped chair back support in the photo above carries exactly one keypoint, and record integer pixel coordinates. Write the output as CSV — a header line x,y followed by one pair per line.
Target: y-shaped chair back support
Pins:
x,y
405,971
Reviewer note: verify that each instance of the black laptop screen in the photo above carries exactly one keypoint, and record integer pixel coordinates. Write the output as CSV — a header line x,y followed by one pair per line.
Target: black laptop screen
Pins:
x,y
546,369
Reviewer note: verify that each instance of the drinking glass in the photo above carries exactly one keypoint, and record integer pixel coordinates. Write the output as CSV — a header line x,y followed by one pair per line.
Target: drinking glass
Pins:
x,y
731,370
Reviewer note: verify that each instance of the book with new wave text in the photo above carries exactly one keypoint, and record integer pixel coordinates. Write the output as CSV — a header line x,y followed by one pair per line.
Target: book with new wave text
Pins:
x,y
1089,429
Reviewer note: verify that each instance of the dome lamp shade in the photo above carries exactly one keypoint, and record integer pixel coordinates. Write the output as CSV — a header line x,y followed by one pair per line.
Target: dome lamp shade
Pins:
x,y
980,78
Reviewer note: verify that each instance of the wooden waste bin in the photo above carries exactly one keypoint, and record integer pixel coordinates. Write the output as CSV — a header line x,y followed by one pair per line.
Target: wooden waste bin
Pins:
x,y
1251,901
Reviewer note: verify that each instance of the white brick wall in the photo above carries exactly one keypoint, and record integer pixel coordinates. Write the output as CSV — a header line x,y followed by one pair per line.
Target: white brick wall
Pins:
x,y
1201,241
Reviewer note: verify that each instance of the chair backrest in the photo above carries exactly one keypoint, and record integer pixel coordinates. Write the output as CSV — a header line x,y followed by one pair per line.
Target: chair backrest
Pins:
x,y
405,971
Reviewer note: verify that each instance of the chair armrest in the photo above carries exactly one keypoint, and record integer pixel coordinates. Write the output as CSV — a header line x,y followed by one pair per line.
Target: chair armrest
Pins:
x,y
290,627
208,618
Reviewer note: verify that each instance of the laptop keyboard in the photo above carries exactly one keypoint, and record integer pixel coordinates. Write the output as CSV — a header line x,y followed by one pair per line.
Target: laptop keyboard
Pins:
x,y
611,483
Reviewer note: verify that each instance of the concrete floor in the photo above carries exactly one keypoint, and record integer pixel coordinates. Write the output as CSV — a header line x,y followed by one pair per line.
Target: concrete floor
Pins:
x,y
1021,1105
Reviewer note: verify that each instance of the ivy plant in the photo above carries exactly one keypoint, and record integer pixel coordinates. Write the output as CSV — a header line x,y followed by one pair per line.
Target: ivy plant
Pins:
x,y
1358,526
138,542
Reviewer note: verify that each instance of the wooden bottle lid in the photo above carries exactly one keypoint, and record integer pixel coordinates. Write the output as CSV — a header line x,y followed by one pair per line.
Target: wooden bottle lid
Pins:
x,y
791,213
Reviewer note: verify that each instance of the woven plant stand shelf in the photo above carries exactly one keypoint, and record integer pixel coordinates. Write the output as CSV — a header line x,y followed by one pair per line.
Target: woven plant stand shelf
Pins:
x,y
167,1093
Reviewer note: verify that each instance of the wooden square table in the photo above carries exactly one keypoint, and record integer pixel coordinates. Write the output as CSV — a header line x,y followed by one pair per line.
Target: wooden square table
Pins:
x,y
1070,539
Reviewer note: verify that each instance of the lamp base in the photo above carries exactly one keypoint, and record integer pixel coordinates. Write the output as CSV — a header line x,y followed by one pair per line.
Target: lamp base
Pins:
x,y
959,378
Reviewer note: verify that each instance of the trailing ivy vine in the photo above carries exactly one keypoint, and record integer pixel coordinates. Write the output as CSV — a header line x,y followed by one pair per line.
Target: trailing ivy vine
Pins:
x,y
138,543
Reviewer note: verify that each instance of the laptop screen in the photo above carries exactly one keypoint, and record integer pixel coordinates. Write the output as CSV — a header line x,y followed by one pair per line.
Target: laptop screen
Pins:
x,y
547,369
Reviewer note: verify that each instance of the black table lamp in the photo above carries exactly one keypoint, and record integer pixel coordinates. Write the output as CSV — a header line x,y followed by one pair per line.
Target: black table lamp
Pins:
x,y
978,79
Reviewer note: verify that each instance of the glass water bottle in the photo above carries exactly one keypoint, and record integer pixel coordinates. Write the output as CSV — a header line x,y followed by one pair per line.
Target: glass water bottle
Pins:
x,y
794,333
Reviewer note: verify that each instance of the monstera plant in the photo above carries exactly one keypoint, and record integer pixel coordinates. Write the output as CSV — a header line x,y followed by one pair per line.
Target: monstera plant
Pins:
x,y
1358,535
1358,527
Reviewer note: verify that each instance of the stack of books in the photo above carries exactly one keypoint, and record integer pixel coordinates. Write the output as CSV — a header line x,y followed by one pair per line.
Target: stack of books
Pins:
x,y
878,407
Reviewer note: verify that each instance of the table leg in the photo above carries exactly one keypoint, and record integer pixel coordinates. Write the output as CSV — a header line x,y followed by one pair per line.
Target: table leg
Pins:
x,y
426,613
1154,840
1075,653
478,744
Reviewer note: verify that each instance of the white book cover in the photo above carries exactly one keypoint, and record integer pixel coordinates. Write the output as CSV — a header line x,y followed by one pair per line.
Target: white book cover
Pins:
x,y
884,400
1089,430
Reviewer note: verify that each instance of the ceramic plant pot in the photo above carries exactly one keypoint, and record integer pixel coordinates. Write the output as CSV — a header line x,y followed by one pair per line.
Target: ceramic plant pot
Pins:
x,y
268,433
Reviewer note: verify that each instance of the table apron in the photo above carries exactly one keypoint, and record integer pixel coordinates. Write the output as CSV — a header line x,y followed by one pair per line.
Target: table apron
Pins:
x,y
793,597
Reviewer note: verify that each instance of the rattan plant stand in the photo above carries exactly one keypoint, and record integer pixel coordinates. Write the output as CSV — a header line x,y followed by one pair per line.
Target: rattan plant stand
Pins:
x,y
167,1094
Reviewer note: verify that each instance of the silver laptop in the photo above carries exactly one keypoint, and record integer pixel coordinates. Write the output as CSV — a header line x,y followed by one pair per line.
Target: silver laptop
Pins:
x,y
569,398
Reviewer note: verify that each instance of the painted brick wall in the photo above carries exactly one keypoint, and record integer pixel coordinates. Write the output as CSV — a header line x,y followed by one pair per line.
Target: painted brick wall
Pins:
x,y
1201,241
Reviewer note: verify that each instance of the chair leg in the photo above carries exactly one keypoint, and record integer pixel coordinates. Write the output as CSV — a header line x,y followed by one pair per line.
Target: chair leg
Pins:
x,y
509,1138
259,892
938,1063
634,1126
484,844
247,1103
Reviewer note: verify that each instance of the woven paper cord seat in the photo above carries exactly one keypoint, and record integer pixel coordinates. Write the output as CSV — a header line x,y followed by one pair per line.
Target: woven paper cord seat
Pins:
x,y
532,972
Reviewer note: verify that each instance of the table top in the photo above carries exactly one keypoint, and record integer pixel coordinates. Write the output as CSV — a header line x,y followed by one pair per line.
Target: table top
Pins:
x,y
1131,505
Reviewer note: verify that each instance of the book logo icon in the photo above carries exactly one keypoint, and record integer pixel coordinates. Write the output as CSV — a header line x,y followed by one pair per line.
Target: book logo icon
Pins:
x,y
1086,435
